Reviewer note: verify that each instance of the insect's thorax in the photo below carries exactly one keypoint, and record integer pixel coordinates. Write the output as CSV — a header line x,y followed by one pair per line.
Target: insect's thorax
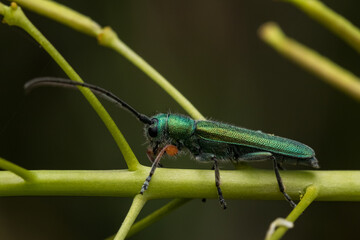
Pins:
x,y
173,129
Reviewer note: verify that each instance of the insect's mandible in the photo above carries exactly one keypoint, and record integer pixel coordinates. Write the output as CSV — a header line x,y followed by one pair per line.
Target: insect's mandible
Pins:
x,y
205,140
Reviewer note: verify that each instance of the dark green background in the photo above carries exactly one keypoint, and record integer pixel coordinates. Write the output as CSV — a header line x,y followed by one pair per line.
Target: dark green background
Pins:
x,y
210,51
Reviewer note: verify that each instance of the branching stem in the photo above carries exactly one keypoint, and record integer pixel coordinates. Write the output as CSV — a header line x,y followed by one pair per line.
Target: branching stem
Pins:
x,y
311,60
339,25
310,194
107,37
25,174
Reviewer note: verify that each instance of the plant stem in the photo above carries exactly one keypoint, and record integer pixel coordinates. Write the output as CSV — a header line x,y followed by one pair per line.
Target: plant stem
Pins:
x,y
184,183
156,215
310,195
136,206
311,60
110,39
14,16
25,174
339,25
107,37
63,14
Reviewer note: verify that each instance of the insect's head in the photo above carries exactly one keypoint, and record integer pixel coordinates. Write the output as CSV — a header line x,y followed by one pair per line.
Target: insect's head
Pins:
x,y
156,130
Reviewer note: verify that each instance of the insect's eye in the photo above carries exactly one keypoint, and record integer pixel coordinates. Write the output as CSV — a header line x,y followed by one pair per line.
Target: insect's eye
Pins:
x,y
153,129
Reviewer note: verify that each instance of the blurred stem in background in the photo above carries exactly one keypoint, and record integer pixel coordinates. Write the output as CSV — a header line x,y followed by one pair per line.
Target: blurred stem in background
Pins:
x,y
311,60
107,37
339,25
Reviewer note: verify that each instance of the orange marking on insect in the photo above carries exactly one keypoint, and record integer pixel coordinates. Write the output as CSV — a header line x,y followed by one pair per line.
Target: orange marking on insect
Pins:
x,y
171,150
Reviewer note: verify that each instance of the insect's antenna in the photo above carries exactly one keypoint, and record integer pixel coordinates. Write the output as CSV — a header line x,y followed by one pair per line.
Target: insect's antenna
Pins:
x,y
61,82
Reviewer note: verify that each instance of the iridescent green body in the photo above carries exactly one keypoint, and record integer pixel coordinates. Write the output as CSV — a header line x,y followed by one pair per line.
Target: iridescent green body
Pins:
x,y
205,140
208,139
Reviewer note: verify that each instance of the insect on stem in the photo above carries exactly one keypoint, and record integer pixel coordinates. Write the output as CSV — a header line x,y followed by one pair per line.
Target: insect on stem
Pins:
x,y
205,140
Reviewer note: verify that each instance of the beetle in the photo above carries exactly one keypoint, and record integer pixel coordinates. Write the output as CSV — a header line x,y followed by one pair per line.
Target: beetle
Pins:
x,y
205,140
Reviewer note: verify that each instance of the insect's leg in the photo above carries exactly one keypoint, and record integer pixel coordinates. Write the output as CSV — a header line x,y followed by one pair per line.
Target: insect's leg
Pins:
x,y
150,155
281,185
217,183
256,157
167,148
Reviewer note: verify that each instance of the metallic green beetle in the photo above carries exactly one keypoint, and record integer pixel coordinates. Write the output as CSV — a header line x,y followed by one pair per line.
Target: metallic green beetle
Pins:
x,y
205,140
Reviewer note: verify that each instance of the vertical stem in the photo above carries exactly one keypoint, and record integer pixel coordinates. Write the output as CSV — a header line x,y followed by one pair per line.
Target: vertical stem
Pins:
x,y
136,206
309,197
157,215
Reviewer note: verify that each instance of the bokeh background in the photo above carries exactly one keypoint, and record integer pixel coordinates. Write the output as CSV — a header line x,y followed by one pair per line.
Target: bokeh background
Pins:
x,y
210,51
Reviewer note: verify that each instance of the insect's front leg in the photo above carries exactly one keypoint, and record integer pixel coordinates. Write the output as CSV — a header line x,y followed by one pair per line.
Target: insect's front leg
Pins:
x,y
217,183
151,156
171,150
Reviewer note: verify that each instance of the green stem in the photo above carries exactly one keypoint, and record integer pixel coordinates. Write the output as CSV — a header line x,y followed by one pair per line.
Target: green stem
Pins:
x,y
136,206
310,195
311,60
107,37
330,19
25,174
110,39
14,16
185,183
156,215
63,14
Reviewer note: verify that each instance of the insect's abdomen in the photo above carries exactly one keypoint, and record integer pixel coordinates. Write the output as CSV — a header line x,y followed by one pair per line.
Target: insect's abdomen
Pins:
x,y
225,133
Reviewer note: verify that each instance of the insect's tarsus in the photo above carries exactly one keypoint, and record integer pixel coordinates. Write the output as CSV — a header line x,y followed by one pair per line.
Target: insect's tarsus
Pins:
x,y
217,183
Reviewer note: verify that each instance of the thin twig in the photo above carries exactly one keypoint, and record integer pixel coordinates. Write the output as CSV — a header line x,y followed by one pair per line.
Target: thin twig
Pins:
x,y
136,206
310,195
311,60
339,25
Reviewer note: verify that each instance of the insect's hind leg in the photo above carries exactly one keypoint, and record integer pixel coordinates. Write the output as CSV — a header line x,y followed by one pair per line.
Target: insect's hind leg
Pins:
x,y
263,156
281,185
217,183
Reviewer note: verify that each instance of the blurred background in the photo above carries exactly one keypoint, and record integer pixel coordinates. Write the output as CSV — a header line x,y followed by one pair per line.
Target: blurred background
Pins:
x,y
209,51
